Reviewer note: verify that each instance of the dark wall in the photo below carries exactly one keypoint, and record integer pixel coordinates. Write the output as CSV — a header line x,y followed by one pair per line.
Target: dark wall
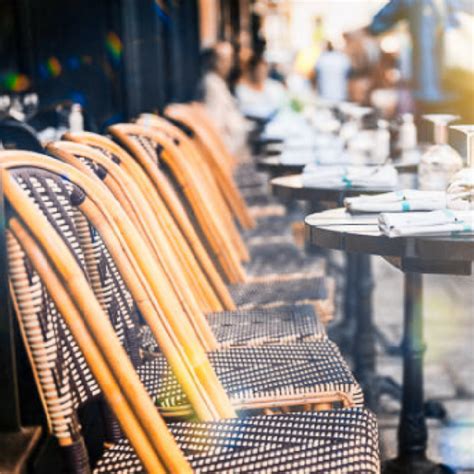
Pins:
x,y
117,57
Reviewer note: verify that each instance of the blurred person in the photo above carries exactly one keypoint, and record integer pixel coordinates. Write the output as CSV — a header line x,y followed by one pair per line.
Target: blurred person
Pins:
x,y
217,63
256,93
307,57
331,74
364,55
428,21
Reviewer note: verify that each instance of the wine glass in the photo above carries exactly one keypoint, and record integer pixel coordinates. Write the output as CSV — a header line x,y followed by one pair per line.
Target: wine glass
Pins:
x,y
460,193
440,162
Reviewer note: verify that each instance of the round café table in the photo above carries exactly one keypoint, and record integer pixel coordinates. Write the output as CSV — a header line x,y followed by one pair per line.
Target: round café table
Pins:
x,y
291,187
274,166
357,312
414,256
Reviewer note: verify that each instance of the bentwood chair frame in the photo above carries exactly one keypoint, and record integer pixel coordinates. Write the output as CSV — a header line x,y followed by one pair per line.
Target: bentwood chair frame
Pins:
x,y
133,136
220,232
263,287
148,282
30,234
119,156
347,439
183,350
256,327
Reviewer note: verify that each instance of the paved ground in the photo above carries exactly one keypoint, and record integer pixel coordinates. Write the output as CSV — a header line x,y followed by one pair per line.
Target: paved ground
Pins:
x,y
449,367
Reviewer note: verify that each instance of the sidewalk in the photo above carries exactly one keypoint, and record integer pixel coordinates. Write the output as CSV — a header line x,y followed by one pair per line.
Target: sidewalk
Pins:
x,y
449,360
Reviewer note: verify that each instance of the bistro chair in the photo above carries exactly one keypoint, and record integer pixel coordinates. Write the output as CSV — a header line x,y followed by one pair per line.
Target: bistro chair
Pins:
x,y
197,120
222,237
309,375
217,446
282,255
285,288
272,289
18,135
77,358
235,327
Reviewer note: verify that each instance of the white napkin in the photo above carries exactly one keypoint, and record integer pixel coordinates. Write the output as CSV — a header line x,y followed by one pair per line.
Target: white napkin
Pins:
x,y
461,190
350,176
398,201
444,222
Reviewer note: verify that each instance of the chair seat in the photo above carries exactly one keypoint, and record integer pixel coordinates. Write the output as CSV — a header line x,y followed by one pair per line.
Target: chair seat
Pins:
x,y
324,442
259,326
263,377
285,290
270,226
275,255
267,325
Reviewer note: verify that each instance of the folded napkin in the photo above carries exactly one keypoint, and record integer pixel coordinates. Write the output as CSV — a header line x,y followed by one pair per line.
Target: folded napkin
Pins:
x,y
460,193
444,222
350,176
397,201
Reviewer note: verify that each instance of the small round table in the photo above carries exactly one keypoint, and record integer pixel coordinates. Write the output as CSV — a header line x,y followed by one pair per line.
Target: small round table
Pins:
x,y
291,187
414,256
357,314
274,166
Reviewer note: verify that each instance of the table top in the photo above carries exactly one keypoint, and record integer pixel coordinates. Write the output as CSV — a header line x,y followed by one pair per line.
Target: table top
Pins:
x,y
337,229
291,187
273,165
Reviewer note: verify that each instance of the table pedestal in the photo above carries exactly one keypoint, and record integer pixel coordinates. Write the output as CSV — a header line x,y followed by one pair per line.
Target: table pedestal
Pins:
x,y
365,353
343,333
412,431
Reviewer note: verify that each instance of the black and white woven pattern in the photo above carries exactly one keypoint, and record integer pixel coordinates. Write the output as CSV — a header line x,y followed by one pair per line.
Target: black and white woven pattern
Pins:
x,y
294,374
64,379
259,326
272,325
271,256
279,291
249,374
342,441
271,226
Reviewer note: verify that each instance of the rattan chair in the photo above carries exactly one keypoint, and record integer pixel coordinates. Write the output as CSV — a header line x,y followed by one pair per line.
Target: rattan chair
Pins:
x,y
77,357
253,185
269,290
277,252
288,288
121,270
231,328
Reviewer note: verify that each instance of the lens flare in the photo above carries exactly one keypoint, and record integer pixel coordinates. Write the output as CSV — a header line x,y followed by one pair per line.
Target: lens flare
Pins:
x,y
53,66
114,46
16,82
456,444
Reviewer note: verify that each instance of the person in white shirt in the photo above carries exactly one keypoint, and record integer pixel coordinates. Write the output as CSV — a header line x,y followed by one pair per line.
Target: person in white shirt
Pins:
x,y
256,93
332,71
218,100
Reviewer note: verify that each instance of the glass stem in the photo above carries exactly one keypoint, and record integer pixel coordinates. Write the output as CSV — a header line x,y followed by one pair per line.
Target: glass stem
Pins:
x,y
470,150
